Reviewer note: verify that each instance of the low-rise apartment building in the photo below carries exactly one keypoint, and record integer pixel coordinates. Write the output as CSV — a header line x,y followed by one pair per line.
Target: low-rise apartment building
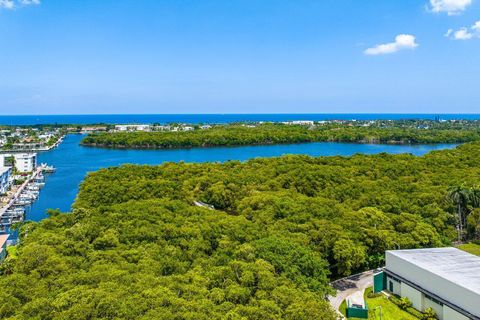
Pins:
x,y
25,162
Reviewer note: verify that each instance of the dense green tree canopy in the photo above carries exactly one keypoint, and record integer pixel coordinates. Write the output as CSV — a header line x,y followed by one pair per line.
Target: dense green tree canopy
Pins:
x,y
234,135
136,247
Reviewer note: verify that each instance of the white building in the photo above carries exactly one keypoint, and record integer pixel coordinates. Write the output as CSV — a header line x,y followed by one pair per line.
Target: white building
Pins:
x,y
445,279
162,128
25,162
5,173
300,122
132,127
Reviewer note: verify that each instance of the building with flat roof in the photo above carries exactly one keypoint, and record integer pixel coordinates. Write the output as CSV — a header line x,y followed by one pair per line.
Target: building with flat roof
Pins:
x,y
25,162
444,279
5,173
132,127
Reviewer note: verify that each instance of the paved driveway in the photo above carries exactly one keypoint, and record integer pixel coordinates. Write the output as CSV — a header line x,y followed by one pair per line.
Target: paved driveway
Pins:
x,y
349,285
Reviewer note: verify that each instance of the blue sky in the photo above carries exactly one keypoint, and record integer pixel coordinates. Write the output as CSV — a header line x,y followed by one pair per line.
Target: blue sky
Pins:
x,y
239,56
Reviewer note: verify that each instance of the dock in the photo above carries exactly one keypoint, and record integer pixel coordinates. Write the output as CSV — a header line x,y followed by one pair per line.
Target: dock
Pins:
x,y
15,209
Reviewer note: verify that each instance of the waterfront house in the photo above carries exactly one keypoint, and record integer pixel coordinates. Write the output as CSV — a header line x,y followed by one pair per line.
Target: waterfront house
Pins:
x,y
444,279
26,145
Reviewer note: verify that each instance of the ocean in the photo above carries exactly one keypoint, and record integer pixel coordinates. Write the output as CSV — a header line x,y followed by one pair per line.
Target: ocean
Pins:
x,y
214,118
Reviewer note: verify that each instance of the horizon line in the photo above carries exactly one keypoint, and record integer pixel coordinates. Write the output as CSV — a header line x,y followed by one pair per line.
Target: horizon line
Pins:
x,y
220,114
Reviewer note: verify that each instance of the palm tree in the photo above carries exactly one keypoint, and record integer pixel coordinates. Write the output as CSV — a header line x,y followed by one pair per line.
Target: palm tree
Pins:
x,y
460,196
475,196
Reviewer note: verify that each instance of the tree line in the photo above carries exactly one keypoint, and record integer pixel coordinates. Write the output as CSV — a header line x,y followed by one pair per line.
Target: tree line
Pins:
x,y
237,135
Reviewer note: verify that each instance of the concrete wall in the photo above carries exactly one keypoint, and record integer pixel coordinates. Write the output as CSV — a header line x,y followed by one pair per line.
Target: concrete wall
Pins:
x,y
415,296
433,283
450,314
427,303
396,286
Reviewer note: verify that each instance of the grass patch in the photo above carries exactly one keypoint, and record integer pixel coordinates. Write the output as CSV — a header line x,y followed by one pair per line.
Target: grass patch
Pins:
x,y
390,311
470,248
343,307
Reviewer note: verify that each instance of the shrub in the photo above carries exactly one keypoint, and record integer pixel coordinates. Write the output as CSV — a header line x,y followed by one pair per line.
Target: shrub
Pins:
x,y
429,314
398,301
404,303
18,182
372,294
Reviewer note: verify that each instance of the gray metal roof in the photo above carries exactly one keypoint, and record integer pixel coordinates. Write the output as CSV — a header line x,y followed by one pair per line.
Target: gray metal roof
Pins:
x,y
452,264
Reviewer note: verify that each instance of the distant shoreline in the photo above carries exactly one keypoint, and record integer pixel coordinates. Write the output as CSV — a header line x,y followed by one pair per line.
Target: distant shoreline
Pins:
x,y
158,138
91,119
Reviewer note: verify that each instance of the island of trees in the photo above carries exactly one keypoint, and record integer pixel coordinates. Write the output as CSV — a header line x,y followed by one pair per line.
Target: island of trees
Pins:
x,y
396,132
241,240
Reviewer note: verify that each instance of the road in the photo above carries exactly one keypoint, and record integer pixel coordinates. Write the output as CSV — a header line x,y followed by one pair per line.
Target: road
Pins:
x,y
349,285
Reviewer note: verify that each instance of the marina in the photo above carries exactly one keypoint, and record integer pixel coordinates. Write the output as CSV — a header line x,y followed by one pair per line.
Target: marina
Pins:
x,y
21,198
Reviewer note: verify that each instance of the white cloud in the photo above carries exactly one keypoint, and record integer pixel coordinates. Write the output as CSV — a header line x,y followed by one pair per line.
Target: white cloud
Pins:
x,y
12,4
402,41
476,26
7,4
451,7
30,2
464,33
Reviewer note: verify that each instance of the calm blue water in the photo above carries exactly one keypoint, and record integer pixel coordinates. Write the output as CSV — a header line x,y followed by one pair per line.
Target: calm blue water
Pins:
x,y
213,118
73,162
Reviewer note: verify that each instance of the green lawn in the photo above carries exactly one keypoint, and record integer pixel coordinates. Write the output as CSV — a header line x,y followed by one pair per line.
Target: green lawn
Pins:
x,y
390,311
471,248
